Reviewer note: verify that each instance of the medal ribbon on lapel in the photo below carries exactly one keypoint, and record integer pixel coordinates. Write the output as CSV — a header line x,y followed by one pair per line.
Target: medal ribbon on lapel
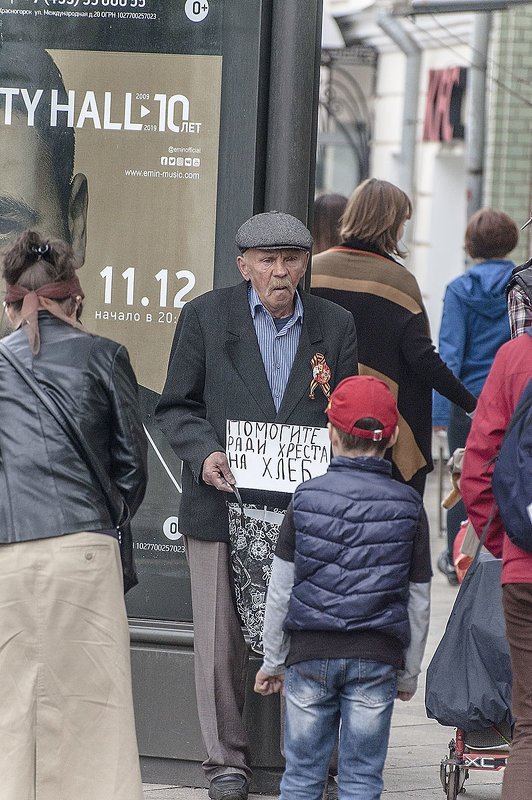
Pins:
x,y
321,375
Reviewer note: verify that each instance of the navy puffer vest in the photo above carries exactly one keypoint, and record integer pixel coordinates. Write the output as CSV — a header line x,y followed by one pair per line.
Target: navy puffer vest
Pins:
x,y
355,528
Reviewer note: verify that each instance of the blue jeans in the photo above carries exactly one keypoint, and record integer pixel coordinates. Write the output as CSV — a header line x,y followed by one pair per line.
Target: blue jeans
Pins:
x,y
320,694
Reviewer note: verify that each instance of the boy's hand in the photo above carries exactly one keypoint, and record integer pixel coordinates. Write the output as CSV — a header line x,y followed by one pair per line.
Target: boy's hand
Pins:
x,y
268,684
405,695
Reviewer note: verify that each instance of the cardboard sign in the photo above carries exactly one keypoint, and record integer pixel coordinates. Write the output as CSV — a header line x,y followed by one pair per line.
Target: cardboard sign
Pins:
x,y
275,457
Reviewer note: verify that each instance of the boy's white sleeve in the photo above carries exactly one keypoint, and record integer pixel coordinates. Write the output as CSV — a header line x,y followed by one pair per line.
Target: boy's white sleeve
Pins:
x,y
276,641
418,616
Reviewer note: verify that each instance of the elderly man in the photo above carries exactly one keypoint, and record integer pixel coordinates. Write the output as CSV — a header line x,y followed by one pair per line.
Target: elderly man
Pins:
x,y
261,351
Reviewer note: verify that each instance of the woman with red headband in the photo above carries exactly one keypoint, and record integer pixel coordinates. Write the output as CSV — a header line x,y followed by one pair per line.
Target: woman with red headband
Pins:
x,y
72,469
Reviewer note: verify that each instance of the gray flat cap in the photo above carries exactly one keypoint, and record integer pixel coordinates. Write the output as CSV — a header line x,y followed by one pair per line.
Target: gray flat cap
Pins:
x,y
273,230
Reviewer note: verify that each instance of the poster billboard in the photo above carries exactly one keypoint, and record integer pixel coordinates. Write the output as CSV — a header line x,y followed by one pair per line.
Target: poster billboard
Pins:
x,y
109,132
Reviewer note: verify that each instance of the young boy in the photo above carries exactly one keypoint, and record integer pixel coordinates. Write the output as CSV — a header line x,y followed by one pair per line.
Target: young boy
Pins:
x,y
347,610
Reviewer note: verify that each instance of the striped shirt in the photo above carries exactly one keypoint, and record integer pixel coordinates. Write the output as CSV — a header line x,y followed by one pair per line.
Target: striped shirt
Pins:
x,y
278,348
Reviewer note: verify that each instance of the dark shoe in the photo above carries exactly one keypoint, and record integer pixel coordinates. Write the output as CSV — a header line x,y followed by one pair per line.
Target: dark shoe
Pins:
x,y
447,568
331,789
231,786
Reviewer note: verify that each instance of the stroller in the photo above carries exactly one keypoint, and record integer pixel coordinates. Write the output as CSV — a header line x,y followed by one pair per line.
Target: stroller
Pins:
x,y
485,749
469,679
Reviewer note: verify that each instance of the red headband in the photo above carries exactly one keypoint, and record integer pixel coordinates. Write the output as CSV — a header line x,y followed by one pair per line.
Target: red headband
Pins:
x,y
44,298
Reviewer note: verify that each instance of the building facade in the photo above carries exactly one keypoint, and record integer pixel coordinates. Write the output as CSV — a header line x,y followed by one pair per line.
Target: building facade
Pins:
x,y
430,80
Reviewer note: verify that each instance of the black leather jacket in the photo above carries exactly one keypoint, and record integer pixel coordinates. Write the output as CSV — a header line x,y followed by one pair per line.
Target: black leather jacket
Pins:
x,y
46,489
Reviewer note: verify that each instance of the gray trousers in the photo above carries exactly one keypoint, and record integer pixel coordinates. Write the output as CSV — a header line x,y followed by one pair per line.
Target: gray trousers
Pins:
x,y
220,659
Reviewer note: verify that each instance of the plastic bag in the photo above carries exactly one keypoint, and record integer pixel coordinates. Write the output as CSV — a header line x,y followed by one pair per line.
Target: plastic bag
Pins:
x,y
469,679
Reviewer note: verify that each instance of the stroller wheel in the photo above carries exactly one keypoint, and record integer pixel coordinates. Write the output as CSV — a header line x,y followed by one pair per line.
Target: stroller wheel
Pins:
x,y
452,774
453,783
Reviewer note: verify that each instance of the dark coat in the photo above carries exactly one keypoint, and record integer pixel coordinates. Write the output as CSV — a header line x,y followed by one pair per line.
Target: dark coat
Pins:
x,y
46,488
394,344
216,373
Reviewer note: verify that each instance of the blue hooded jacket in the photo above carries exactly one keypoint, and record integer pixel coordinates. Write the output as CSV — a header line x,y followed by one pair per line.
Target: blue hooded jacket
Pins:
x,y
474,325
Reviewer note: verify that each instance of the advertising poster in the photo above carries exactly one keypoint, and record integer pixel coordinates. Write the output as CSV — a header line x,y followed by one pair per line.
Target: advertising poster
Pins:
x,y
109,130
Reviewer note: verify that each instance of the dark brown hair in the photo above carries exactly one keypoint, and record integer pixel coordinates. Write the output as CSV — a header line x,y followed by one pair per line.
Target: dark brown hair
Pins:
x,y
490,234
374,213
328,209
33,260
351,442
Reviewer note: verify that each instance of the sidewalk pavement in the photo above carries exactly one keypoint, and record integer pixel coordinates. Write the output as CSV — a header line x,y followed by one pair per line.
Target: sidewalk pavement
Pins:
x,y
417,744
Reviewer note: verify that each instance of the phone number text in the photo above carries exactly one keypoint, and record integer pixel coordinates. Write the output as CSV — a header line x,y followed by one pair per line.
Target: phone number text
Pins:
x,y
97,3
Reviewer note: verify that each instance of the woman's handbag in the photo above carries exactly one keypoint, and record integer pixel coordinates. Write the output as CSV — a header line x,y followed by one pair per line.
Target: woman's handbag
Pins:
x,y
117,507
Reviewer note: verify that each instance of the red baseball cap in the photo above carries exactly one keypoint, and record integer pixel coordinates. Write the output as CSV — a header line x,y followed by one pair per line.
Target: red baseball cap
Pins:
x,y
363,396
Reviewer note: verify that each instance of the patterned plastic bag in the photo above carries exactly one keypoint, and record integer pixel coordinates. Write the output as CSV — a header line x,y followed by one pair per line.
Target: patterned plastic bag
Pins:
x,y
253,531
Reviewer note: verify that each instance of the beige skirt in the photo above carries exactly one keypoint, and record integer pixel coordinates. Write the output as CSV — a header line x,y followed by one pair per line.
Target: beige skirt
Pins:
x,y
67,729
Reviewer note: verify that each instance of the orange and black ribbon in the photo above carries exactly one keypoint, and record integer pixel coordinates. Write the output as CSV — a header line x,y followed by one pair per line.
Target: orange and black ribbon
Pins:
x,y
321,375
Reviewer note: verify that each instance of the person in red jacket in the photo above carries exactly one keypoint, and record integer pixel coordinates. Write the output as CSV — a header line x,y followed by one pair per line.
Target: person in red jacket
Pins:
x,y
510,373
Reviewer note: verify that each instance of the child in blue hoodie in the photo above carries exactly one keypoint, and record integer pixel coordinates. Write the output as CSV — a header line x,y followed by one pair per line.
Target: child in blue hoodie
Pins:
x,y
474,325
347,609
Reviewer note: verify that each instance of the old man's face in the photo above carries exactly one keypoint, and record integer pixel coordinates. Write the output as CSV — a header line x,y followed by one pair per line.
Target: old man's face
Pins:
x,y
274,275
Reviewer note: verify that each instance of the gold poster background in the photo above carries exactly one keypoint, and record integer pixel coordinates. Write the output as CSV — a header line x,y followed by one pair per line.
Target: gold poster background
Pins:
x,y
149,222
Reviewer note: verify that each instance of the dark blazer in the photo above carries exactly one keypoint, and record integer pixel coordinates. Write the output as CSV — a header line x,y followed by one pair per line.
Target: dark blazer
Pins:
x,y
216,373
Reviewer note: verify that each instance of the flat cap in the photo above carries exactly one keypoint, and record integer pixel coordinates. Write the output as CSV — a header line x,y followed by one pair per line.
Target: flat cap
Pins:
x,y
273,230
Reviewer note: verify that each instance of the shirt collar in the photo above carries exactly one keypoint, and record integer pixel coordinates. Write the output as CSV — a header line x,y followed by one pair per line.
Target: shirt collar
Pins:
x,y
256,303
